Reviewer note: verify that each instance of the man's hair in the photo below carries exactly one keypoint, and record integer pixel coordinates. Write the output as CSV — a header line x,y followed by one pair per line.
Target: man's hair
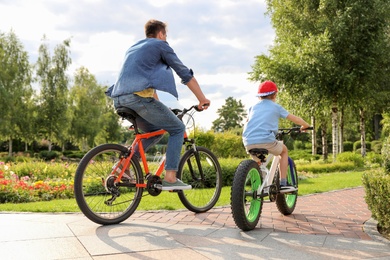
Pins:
x,y
153,27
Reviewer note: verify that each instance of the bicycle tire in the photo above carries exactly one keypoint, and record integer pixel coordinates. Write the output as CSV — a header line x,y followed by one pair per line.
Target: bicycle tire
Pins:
x,y
205,191
246,206
286,202
90,191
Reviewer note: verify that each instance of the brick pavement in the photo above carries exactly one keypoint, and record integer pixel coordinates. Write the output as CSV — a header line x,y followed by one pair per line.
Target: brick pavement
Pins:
x,y
340,213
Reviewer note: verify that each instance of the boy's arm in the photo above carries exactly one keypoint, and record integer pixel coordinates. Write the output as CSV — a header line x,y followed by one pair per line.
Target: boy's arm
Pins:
x,y
297,120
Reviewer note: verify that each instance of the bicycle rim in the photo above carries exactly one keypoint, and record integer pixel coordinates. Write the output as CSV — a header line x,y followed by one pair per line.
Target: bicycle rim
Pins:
x,y
206,188
94,186
252,205
292,178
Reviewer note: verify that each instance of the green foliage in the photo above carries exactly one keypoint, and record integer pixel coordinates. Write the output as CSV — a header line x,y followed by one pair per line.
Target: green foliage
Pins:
x,y
205,139
15,89
298,145
373,159
228,167
228,145
317,168
230,115
348,146
357,145
351,157
386,154
376,146
377,187
304,155
49,155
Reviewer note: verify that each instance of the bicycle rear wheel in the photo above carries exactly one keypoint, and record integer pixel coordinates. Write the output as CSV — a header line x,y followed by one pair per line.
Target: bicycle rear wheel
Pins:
x,y
286,202
202,171
98,197
245,204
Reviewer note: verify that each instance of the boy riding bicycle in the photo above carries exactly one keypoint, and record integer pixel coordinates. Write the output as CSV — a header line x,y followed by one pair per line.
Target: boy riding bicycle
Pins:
x,y
262,125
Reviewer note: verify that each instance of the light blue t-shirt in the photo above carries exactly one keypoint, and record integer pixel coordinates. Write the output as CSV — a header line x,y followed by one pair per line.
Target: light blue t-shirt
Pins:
x,y
263,121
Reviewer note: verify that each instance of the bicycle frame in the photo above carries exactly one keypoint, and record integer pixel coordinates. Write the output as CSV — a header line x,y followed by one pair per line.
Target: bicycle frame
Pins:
x,y
268,180
138,141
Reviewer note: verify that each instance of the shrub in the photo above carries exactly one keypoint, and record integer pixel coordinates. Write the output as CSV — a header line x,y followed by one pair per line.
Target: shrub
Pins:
x,y
350,157
386,154
376,146
303,155
373,158
317,168
228,167
299,145
348,146
377,188
228,145
48,155
357,145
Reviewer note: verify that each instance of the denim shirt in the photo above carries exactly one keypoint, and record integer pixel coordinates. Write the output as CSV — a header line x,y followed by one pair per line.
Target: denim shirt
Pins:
x,y
149,64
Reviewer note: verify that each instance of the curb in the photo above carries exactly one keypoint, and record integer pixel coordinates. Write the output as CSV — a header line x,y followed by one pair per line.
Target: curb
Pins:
x,y
370,227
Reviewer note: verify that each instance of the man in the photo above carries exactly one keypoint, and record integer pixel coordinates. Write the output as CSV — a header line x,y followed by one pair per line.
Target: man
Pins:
x,y
147,67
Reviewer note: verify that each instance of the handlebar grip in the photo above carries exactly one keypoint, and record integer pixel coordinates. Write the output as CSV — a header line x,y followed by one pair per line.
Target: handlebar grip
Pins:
x,y
204,105
309,128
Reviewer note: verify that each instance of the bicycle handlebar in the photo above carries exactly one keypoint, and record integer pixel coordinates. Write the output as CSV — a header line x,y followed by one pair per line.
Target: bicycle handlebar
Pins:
x,y
297,129
180,113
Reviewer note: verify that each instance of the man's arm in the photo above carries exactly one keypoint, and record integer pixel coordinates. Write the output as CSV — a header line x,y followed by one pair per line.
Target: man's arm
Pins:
x,y
195,88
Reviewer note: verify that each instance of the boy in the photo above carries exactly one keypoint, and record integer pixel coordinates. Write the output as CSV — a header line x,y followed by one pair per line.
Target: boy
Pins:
x,y
262,126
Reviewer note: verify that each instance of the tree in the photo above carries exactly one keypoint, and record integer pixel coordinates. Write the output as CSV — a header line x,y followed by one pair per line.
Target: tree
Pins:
x,y
325,51
88,109
15,87
231,115
53,102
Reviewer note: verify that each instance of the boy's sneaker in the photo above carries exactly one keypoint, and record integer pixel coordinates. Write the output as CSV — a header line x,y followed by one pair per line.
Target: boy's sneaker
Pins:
x,y
178,185
287,188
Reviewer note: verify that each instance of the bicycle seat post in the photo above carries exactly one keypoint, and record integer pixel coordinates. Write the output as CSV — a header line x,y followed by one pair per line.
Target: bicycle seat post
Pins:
x,y
130,115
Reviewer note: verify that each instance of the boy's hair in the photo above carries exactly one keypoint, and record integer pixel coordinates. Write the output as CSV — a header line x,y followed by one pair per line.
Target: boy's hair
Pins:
x,y
269,96
153,27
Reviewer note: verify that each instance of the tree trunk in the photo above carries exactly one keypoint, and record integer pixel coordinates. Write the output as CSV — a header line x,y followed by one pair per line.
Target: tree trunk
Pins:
x,y
335,138
324,142
341,132
362,133
10,147
313,137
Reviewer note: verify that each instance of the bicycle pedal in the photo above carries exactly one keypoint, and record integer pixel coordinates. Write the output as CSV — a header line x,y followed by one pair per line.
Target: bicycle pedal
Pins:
x,y
288,190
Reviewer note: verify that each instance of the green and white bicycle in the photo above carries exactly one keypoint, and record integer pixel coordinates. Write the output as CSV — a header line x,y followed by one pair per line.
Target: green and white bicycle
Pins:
x,y
254,181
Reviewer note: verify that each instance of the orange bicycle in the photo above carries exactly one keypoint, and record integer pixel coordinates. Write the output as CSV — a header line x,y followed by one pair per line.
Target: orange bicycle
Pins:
x,y
110,182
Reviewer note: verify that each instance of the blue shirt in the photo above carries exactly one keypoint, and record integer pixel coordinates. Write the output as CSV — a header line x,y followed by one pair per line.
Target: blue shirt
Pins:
x,y
149,64
263,122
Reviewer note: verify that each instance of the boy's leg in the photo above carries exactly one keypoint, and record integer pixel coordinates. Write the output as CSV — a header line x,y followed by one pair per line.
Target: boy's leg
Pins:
x,y
283,165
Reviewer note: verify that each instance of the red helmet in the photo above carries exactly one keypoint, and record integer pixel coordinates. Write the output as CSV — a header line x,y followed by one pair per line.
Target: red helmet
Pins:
x,y
267,88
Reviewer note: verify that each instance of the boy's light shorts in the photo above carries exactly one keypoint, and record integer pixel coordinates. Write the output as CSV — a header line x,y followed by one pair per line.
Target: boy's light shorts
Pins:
x,y
275,148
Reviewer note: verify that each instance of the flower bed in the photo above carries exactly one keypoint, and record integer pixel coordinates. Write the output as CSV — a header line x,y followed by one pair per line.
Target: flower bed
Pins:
x,y
39,181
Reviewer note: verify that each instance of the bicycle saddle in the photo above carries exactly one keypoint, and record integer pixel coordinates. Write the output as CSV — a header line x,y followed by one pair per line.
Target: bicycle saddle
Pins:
x,y
259,153
126,112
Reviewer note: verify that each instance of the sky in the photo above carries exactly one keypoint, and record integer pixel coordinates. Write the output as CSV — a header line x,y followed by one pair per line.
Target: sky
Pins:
x,y
218,39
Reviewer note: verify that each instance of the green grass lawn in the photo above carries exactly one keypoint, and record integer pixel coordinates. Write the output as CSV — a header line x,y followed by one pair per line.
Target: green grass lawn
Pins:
x,y
170,201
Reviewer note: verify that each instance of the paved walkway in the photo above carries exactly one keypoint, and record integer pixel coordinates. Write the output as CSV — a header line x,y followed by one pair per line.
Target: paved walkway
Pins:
x,y
330,225
341,213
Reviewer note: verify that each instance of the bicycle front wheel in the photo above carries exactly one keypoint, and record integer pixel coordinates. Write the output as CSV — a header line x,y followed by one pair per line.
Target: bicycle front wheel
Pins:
x,y
246,205
98,196
200,168
286,202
